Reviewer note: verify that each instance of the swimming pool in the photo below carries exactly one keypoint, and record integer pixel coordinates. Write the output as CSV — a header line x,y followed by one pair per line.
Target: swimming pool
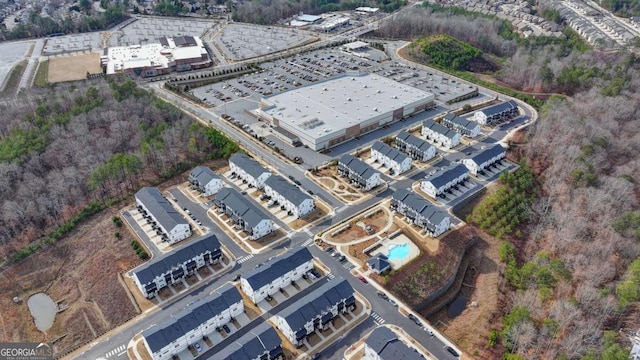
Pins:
x,y
398,252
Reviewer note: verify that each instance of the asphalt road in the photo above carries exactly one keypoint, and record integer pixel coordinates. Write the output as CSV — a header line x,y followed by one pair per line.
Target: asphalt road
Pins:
x,y
383,308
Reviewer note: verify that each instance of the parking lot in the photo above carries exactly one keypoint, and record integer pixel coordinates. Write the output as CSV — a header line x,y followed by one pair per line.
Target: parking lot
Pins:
x,y
148,29
244,41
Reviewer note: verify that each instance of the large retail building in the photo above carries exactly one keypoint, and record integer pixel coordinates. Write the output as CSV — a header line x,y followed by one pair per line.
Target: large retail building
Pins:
x,y
336,110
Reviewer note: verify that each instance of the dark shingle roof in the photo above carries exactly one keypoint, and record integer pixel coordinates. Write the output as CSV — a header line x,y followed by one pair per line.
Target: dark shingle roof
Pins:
x,y
277,267
387,345
260,340
358,166
247,164
244,208
498,108
487,153
389,152
420,206
414,141
164,263
462,122
159,336
439,128
316,303
379,263
160,207
203,175
286,189
446,174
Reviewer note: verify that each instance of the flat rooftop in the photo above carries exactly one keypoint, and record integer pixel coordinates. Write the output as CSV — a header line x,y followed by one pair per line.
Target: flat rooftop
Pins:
x,y
341,102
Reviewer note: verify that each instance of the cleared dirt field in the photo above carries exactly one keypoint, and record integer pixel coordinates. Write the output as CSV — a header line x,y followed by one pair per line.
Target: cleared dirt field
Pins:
x,y
81,271
68,68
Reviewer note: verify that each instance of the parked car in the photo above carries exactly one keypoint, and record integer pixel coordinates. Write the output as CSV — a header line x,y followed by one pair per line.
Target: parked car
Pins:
x,y
236,278
451,351
291,177
198,347
342,258
315,356
335,254
383,295
226,328
429,331
393,302
297,182
329,249
361,278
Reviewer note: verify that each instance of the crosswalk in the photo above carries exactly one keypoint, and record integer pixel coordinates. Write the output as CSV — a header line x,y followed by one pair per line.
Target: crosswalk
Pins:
x,y
377,318
308,242
117,351
330,276
244,258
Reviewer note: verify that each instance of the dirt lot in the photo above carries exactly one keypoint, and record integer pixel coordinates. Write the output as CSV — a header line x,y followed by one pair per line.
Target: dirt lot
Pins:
x,y
67,68
377,222
320,212
82,272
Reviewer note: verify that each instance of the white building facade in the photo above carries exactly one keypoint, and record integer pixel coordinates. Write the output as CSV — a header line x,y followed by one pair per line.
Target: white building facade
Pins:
x,y
205,180
361,175
167,222
276,274
418,211
496,113
484,158
465,127
191,324
444,179
248,170
390,157
291,198
440,134
415,147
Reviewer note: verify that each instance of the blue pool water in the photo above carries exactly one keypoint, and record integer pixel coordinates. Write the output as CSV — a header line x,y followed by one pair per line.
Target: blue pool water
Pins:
x,y
398,252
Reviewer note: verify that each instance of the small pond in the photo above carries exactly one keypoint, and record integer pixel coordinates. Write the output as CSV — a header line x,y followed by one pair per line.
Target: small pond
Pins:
x,y
457,306
43,309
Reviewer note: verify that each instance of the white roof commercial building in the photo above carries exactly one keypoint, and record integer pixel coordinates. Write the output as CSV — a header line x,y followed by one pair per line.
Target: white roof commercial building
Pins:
x,y
165,218
444,179
290,197
440,134
336,110
420,212
248,170
361,175
498,112
276,274
174,266
169,54
205,180
390,157
244,214
463,126
315,310
417,148
192,324
484,158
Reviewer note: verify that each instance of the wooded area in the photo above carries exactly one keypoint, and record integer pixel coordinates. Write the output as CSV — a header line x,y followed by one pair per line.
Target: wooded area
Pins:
x,y
77,149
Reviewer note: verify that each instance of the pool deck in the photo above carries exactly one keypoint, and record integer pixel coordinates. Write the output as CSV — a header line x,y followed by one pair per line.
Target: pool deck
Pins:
x,y
402,239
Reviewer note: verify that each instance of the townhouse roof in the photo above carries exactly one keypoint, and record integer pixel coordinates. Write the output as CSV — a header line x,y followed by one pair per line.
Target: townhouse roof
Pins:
x,y
277,267
498,108
420,206
249,213
159,336
252,345
160,208
439,128
446,174
487,153
287,190
146,273
379,262
358,166
316,303
391,153
203,175
247,164
460,121
388,347
414,141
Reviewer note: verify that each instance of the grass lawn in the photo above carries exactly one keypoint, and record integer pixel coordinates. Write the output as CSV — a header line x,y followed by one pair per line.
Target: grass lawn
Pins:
x,y
41,74
14,79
